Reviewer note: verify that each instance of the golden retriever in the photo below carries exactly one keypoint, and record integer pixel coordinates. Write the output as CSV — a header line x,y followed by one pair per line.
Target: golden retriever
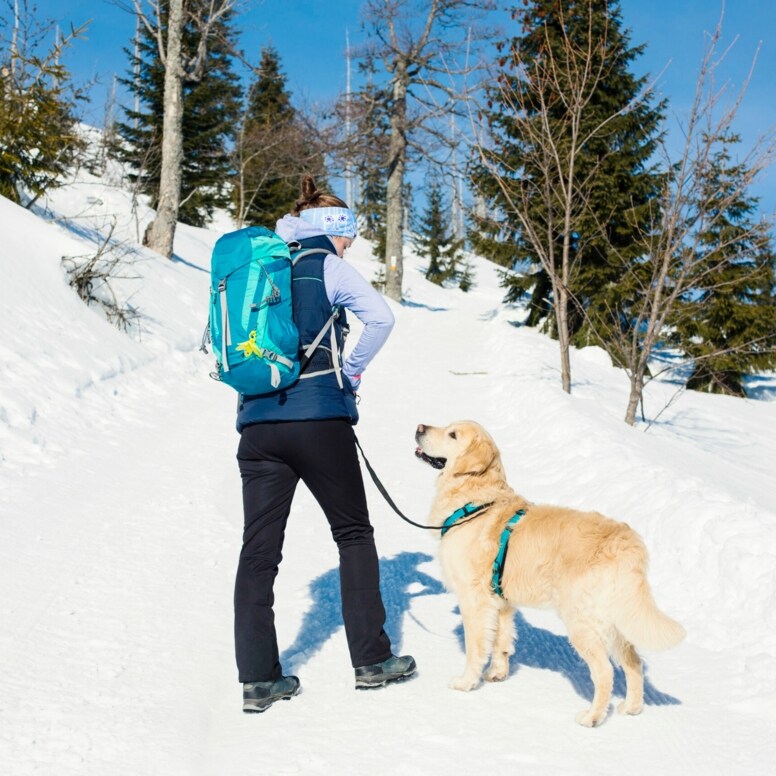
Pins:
x,y
590,569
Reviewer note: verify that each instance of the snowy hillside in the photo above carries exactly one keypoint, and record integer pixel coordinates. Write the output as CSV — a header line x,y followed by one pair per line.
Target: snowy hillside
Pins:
x,y
120,526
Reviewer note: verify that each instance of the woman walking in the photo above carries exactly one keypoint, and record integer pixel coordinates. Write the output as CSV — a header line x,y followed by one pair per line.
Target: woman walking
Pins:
x,y
306,432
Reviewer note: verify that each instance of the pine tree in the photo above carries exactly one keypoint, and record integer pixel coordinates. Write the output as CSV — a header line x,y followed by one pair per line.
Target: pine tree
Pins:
x,y
269,109
39,141
370,210
434,240
727,321
210,109
274,150
368,154
139,138
211,112
377,209
614,165
465,275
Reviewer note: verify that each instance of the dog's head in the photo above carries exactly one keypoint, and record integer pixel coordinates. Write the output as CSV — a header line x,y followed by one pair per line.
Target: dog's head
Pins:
x,y
460,449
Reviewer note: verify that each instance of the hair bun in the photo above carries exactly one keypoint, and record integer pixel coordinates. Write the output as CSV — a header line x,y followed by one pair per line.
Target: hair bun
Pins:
x,y
311,196
309,189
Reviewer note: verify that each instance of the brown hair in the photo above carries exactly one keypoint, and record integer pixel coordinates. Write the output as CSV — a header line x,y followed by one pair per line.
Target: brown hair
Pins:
x,y
311,197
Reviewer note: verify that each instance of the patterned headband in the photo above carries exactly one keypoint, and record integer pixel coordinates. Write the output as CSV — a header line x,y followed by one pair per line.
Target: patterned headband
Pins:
x,y
338,221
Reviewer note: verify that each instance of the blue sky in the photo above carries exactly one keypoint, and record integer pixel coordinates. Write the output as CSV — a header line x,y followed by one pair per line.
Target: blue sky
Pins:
x,y
310,36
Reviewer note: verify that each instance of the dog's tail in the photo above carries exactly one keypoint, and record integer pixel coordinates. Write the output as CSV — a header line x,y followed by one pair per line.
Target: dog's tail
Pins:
x,y
640,621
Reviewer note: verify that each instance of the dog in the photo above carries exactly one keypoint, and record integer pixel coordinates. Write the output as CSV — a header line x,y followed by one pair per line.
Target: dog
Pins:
x,y
589,568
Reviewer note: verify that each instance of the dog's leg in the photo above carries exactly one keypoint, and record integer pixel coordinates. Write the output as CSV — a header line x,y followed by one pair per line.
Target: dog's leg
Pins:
x,y
503,646
479,615
592,649
625,654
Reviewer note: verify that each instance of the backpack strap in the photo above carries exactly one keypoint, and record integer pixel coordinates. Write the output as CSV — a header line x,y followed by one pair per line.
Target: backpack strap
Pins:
x,y
297,254
312,347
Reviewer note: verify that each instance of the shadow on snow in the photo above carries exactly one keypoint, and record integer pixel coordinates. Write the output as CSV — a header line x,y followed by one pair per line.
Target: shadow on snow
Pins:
x,y
400,582
410,303
540,648
176,259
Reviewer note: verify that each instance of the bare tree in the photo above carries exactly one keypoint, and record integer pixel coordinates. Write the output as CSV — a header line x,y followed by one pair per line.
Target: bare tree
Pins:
x,y
277,142
691,205
356,140
423,48
204,14
547,101
268,152
254,143
93,276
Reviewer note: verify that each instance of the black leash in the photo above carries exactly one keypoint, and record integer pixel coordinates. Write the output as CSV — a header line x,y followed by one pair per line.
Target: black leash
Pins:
x,y
379,485
385,493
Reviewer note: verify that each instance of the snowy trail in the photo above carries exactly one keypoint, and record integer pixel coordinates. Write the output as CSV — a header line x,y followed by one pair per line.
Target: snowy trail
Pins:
x,y
118,549
120,567
130,627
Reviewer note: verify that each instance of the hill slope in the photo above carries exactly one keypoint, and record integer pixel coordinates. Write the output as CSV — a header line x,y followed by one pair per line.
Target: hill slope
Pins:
x,y
121,524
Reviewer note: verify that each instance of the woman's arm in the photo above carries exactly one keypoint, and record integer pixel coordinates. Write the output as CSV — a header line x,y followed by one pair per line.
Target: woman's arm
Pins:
x,y
346,288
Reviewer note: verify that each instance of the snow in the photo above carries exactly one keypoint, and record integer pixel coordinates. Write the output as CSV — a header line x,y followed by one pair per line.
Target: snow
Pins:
x,y
120,526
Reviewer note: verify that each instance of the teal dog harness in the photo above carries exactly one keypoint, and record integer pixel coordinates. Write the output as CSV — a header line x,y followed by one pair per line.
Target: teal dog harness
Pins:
x,y
501,557
467,511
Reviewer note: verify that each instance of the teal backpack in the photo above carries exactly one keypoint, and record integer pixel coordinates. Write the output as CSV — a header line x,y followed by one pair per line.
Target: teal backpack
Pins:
x,y
251,325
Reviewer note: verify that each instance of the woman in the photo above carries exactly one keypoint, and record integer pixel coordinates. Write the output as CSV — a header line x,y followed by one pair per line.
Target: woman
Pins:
x,y
305,432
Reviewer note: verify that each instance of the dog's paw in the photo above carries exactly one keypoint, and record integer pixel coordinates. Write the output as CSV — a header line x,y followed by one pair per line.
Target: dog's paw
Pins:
x,y
496,673
630,708
589,719
463,683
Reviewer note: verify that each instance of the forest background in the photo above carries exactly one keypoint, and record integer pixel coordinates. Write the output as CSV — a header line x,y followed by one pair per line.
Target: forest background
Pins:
x,y
614,158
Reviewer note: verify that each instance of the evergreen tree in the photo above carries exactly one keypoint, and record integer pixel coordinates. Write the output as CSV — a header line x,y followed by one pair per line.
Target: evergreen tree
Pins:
x,y
614,165
274,150
370,210
39,141
210,110
377,211
368,154
727,321
434,240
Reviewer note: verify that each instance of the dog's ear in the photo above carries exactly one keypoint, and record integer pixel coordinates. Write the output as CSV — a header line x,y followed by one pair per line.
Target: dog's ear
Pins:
x,y
477,458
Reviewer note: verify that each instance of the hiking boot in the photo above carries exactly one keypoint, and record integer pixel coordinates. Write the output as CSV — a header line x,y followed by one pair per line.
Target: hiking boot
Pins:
x,y
259,696
391,670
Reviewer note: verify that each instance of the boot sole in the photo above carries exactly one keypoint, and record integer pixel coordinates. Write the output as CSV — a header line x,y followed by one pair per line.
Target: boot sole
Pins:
x,y
375,683
259,706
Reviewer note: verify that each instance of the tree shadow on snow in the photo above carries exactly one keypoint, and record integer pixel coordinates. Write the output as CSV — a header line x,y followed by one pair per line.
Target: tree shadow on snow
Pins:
x,y
180,260
400,582
410,303
540,648
88,232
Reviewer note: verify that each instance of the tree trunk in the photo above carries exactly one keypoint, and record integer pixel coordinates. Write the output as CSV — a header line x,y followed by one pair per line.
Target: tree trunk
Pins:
x,y
563,338
394,212
565,274
636,389
161,231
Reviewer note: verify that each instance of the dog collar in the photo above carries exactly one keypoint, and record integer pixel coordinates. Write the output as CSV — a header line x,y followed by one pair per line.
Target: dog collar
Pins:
x,y
465,511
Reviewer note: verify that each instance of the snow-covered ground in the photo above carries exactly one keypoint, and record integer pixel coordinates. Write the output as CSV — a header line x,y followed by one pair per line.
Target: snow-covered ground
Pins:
x,y
121,521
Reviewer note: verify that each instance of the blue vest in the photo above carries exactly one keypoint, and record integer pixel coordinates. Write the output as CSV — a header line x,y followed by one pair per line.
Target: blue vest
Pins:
x,y
310,398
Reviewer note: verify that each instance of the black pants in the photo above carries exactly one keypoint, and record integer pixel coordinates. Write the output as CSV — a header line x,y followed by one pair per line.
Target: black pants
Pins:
x,y
273,457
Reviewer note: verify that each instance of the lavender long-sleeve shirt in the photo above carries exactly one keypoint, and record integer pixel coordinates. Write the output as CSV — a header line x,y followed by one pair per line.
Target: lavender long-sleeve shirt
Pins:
x,y
345,287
